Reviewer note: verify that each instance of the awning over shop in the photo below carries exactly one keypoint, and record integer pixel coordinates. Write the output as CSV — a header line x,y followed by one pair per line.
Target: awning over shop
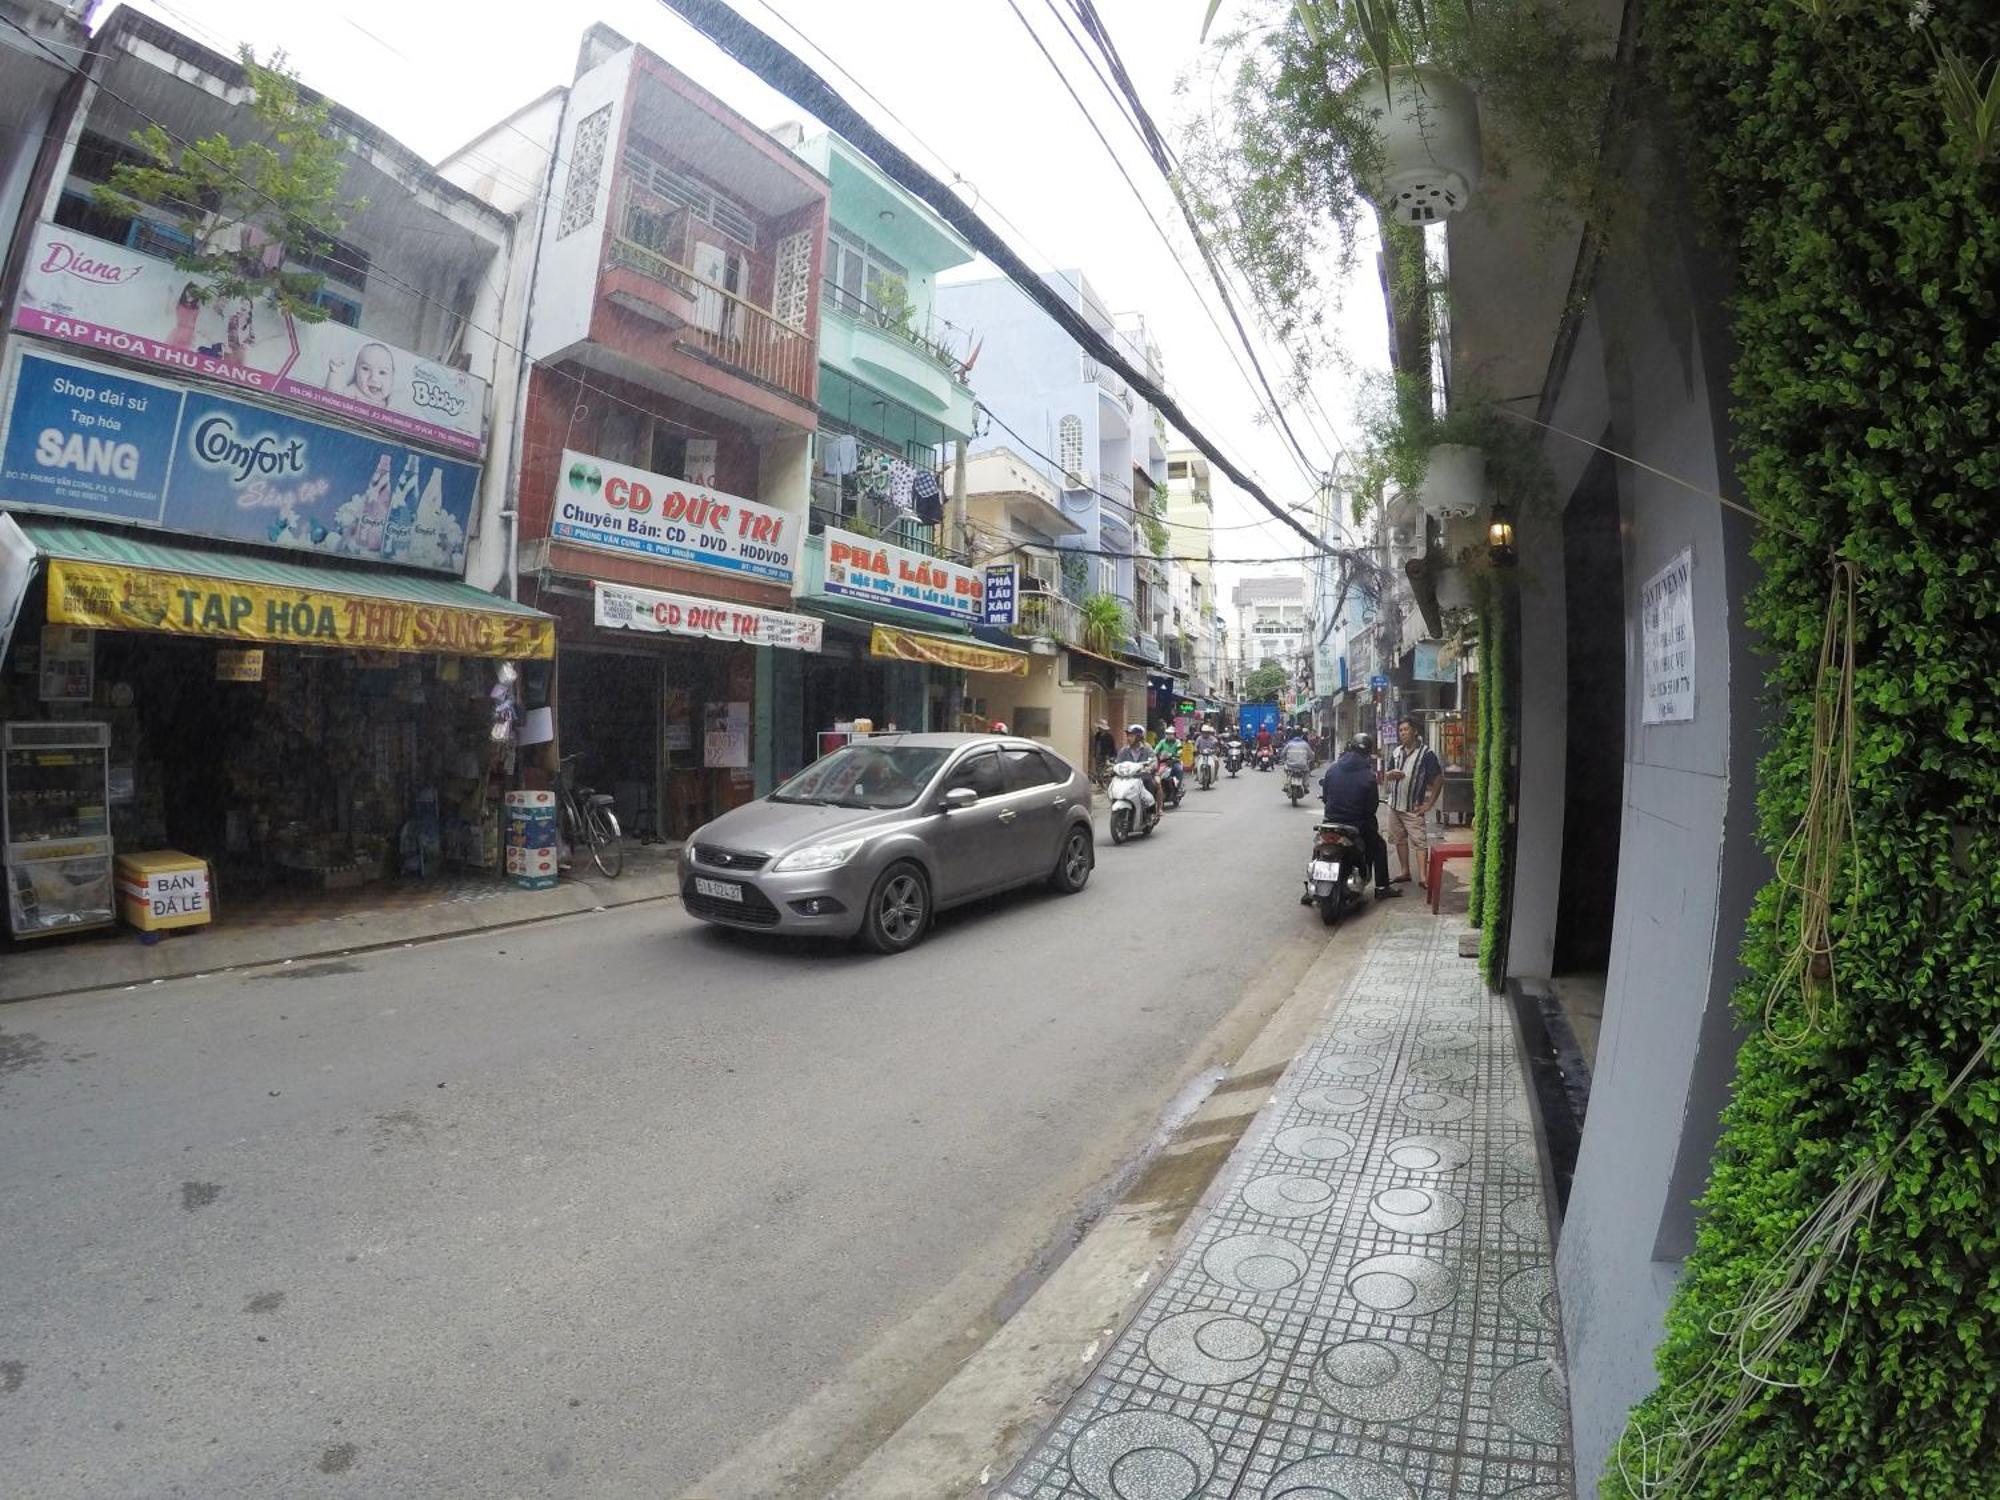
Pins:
x,y
945,651
111,582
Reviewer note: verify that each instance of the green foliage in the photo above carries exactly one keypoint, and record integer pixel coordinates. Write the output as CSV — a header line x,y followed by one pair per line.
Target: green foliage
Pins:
x,y
1499,730
245,206
1865,241
1274,169
1482,733
1075,576
1106,623
889,300
1399,429
1265,684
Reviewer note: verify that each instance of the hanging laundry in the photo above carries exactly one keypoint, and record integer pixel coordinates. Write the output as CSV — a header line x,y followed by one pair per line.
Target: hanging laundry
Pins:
x,y
872,466
927,497
839,455
902,477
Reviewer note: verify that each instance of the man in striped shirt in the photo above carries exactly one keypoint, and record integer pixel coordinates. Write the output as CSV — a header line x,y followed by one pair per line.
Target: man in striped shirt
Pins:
x,y
1414,777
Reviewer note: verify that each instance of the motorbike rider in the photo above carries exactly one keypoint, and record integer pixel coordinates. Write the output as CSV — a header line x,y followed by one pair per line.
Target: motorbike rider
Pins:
x,y
1349,795
1297,754
1135,749
1169,750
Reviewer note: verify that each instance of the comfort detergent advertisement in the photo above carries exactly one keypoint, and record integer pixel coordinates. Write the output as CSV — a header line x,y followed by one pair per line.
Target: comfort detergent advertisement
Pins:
x,y
85,440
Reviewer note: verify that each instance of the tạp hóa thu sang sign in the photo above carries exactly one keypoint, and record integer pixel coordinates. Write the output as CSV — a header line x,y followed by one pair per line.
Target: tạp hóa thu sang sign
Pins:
x,y
108,597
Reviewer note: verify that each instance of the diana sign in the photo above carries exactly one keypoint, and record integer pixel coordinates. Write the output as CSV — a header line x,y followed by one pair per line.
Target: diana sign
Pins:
x,y
87,440
617,508
90,292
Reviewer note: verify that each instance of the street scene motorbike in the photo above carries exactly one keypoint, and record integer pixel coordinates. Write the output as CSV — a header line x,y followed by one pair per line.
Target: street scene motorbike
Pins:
x,y
1134,810
1170,781
1232,757
1265,758
1297,783
1204,769
1337,874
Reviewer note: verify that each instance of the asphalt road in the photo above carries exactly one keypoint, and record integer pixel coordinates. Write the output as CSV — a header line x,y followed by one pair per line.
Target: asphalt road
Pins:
x,y
582,1208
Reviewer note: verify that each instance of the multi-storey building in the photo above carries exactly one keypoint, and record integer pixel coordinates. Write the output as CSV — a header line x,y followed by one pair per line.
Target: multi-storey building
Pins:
x,y
261,504
1271,625
1094,440
666,420
883,564
1198,621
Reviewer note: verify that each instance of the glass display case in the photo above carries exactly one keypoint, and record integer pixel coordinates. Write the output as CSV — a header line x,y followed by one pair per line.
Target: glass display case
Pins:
x,y
55,821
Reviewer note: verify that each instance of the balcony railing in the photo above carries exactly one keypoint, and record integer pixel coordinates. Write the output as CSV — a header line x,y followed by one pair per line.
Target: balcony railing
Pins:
x,y
913,536
1110,380
938,341
1051,617
654,238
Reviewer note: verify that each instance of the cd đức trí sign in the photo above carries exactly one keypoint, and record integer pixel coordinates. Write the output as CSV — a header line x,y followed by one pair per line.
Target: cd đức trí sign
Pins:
x,y
617,508
90,292
87,440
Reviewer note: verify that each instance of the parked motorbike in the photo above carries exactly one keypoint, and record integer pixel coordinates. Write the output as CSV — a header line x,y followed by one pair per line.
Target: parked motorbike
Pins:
x,y
1134,810
1298,782
1204,769
1232,757
1170,781
1337,874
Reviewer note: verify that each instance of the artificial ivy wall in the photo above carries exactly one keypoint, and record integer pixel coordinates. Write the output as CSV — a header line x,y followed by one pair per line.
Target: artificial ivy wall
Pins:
x,y
1865,234
1490,873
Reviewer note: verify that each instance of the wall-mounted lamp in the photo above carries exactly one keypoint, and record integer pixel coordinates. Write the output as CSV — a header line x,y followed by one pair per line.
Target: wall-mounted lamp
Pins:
x,y
1500,536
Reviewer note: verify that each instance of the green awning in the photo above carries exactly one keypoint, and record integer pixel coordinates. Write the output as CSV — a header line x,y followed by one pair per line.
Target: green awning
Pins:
x,y
114,582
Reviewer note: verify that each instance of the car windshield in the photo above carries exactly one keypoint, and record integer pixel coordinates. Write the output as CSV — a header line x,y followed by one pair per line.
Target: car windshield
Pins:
x,y
864,776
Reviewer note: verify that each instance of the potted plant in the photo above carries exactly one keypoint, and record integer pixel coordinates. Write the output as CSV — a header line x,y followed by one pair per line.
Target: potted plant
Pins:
x,y
1426,159
1105,623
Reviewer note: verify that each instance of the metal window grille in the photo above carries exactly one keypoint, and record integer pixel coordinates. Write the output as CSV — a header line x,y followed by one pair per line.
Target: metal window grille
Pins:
x,y
697,197
1069,449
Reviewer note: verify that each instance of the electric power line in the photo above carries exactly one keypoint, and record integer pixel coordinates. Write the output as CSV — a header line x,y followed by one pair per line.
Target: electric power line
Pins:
x,y
791,76
1296,452
956,177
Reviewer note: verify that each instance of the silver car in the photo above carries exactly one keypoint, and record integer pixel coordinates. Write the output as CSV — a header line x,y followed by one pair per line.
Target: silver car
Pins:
x,y
875,838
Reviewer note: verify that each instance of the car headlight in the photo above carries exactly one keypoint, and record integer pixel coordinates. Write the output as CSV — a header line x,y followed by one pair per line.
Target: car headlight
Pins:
x,y
814,857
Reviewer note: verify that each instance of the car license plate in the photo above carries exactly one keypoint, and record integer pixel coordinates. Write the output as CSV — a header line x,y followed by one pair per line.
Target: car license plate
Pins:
x,y
1325,870
722,890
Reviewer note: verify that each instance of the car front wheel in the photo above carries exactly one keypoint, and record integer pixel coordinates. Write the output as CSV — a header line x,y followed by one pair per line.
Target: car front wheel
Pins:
x,y
899,909
1072,870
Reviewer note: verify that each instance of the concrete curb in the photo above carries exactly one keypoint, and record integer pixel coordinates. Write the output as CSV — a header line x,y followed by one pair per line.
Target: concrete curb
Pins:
x,y
104,964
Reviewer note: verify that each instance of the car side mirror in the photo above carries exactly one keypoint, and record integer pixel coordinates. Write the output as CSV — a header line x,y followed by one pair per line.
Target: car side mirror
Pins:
x,y
959,798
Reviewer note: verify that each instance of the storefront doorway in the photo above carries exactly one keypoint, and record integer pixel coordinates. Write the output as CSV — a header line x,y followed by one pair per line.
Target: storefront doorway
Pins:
x,y
611,702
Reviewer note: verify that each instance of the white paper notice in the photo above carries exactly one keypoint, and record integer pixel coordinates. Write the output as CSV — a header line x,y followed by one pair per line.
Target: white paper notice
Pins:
x,y
1667,641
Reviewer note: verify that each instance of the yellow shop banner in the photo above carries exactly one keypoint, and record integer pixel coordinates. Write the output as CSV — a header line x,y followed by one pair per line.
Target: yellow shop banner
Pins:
x,y
114,598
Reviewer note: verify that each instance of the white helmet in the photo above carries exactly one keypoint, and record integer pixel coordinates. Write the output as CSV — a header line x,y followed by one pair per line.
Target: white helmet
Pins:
x,y
1135,728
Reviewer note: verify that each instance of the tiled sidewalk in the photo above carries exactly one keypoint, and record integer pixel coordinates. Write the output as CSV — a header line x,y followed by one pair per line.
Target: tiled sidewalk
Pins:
x,y
1368,1312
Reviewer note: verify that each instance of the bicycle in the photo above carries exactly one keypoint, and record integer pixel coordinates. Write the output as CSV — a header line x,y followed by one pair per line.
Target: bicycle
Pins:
x,y
588,820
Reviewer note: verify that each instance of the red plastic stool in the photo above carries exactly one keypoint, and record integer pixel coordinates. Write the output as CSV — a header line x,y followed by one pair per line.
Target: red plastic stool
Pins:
x,y
1434,872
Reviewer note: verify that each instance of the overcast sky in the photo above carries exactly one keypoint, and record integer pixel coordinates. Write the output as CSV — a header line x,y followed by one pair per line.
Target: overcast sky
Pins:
x,y
975,94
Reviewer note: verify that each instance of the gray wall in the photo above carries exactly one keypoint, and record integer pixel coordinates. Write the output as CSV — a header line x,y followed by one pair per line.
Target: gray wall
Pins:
x,y
1649,363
